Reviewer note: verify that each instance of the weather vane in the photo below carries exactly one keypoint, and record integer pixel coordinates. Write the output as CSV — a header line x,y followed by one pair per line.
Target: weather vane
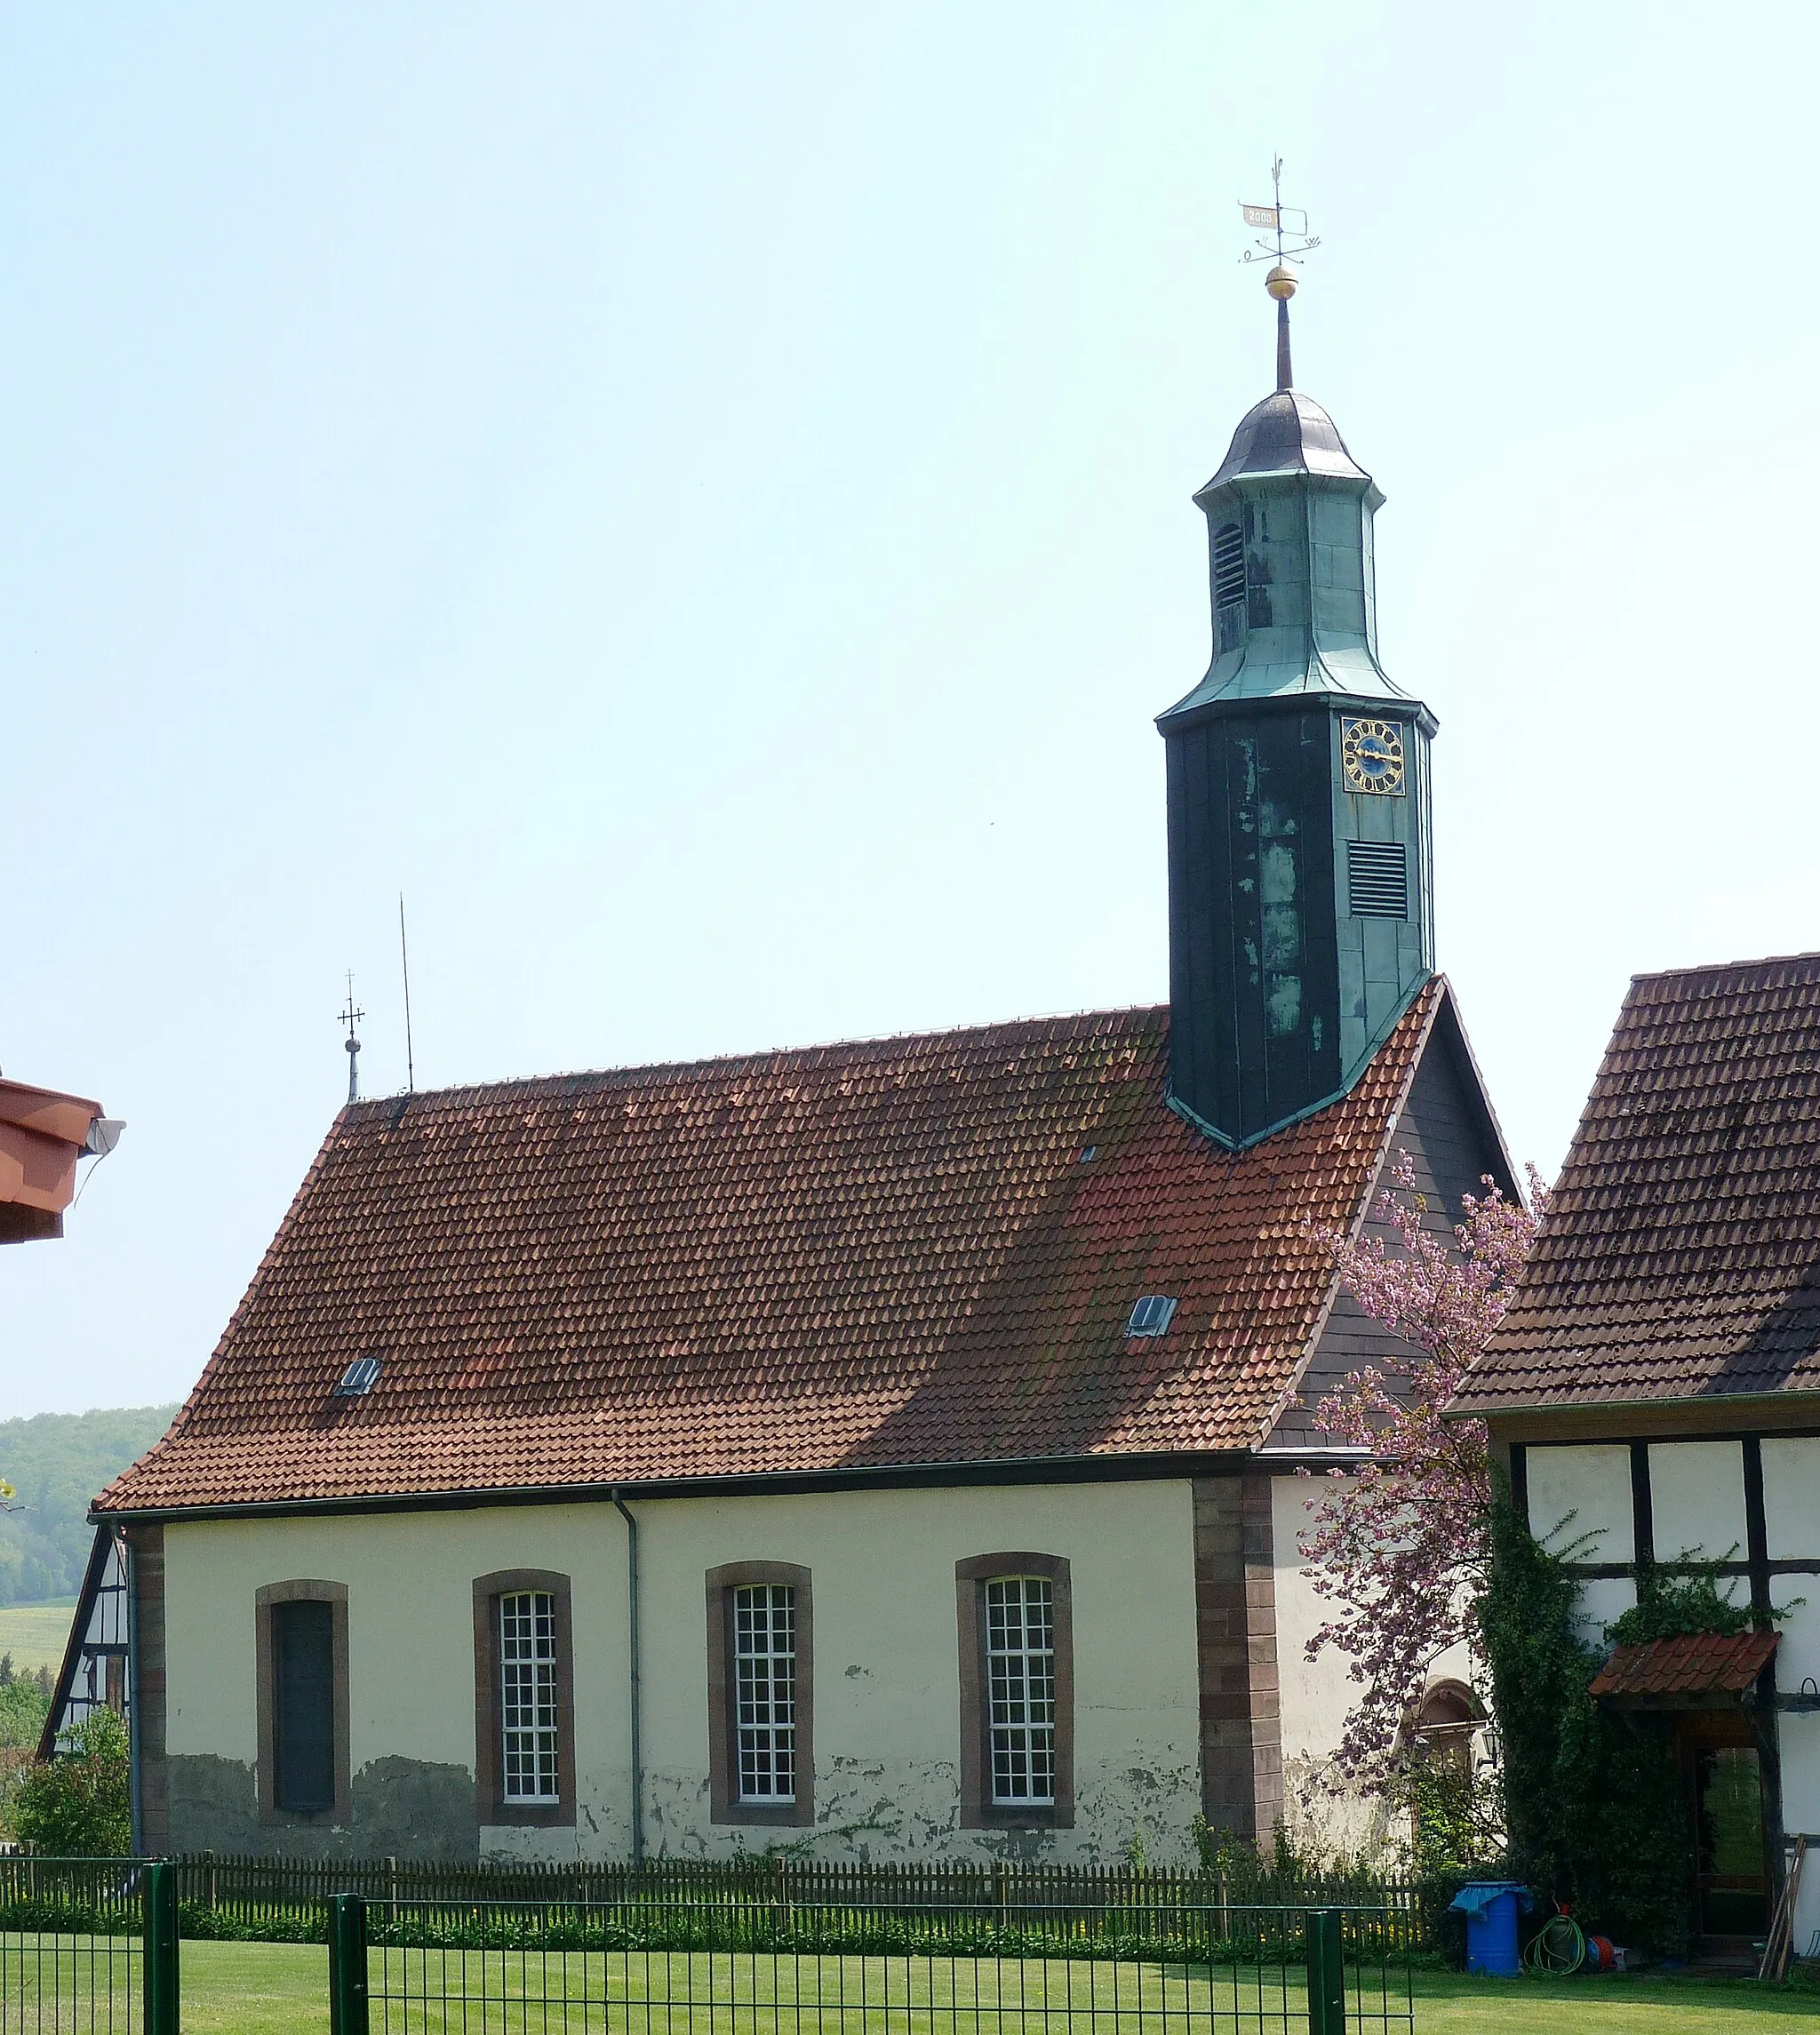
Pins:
x,y
1279,220
350,1016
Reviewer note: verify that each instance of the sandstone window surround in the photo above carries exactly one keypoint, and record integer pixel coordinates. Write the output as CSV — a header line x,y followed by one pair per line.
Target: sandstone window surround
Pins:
x,y
523,1699
760,1694
1014,1617
300,1636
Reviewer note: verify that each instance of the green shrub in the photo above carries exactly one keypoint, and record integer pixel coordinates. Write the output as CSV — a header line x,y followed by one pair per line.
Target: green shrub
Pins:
x,y
78,1806
1593,1799
1456,1815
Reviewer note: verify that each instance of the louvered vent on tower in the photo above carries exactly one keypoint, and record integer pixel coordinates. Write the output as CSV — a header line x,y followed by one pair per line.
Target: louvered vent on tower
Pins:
x,y
1228,566
1377,879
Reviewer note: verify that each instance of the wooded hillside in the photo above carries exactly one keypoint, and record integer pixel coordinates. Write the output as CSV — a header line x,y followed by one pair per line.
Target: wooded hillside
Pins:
x,y
56,1463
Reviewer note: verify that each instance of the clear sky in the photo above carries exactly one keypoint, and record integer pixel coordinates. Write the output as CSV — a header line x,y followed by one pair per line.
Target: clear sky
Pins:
x,y
697,498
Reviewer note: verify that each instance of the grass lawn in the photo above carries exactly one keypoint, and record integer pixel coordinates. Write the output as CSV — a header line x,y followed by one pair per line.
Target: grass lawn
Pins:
x,y
1619,2003
34,1634
264,1988
257,1989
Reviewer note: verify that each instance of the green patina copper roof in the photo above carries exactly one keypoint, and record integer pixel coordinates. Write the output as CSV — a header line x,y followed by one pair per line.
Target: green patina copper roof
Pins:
x,y
1306,624
1288,433
1243,674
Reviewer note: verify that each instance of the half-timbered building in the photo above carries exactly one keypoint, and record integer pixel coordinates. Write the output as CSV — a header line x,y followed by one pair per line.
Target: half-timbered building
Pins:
x,y
1654,1394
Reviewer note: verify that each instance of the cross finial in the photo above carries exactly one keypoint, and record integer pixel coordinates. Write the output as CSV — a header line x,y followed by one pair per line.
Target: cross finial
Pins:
x,y
351,1016
1279,220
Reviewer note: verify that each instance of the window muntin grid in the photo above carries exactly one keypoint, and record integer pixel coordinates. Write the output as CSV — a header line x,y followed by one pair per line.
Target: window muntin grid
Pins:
x,y
529,1764
1021,1673
764,1691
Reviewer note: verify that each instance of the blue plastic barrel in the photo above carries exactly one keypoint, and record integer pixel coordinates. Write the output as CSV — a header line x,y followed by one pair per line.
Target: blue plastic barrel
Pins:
x,y
1491,1908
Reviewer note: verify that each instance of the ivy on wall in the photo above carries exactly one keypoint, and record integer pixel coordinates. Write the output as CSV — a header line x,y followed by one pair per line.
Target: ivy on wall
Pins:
x,y
1670,1605
1593,1802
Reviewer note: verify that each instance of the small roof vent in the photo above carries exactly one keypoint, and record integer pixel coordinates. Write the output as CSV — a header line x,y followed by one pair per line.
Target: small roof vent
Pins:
x,y
1151,1315
360,1377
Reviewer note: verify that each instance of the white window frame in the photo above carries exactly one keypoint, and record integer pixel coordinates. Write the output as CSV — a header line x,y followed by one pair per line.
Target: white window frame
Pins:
x,y
530,1729
1021,1690
764,1693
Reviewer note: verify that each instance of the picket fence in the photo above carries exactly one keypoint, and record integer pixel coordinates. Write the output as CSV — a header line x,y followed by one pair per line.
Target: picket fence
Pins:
x,y
286,1896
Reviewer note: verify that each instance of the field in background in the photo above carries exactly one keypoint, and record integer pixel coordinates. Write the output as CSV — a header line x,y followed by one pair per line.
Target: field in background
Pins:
x,y
34,1634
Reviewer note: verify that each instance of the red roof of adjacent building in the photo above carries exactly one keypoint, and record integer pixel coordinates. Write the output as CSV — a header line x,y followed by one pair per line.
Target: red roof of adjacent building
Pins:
x,y
43,1133
1681,1256
1701,1664
918,1251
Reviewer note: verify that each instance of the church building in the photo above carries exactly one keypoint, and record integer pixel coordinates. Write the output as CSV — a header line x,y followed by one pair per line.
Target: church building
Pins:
x,y
886,1449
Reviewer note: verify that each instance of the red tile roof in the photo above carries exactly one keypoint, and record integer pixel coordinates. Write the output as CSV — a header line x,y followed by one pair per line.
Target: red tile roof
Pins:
x,y
886,1254
1681,1258
1702,1664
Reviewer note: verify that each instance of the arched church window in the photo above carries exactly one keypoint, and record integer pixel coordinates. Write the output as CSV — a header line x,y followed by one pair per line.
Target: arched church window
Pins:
x,y
1442,1729
1228,566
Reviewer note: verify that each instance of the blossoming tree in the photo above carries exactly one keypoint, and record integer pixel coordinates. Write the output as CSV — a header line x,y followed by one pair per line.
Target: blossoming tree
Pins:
x,y
1401,1545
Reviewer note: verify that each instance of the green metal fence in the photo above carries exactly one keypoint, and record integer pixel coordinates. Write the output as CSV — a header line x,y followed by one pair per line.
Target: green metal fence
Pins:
x,y
662,1967
87,1944
91,1946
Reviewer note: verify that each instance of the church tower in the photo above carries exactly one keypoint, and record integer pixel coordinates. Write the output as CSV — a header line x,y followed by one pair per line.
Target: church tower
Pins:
x,y
1300,882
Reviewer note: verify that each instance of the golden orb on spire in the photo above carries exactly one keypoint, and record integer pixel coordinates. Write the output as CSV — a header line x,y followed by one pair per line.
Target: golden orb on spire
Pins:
x,y
1281,282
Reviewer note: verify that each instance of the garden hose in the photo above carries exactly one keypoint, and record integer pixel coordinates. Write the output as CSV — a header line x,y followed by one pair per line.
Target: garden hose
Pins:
x,y
1558,1947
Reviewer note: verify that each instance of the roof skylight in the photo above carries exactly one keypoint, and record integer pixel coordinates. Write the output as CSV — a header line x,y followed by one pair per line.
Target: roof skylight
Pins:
x,y
1151,1315
360,1377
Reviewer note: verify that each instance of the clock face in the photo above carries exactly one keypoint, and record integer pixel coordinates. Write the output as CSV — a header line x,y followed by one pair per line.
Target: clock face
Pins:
x,y
1371,756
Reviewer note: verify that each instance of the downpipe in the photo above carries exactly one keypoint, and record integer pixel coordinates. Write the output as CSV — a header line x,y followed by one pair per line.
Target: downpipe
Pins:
x,y
135,1715
634,1679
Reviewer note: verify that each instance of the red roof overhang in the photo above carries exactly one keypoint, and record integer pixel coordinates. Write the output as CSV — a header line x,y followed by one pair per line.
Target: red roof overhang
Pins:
x,y
1695,1671
41,1136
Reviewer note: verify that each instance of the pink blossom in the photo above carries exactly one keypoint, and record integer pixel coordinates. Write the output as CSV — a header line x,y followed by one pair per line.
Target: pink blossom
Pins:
x,y
1400,1545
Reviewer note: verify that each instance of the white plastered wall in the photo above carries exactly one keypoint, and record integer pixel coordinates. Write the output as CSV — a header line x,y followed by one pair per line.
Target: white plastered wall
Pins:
x,y
1792,1499
1801,1810
887,1695
1317,1697
1696,1500
410,1578
1798,1649
1580,1501
1582,1495
1791,1532
887,1688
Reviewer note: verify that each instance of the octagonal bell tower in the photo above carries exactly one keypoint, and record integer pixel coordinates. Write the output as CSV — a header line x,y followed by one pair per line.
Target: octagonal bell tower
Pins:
x,y
1299,833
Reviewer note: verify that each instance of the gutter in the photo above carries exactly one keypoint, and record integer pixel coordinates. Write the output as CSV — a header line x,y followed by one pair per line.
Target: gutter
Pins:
x,y
135,1714
1139,1467
634,1679
1575,1409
